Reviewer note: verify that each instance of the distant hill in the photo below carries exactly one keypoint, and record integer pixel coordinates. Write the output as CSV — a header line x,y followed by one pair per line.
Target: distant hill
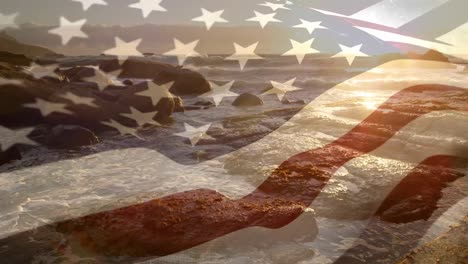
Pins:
x,y
11,45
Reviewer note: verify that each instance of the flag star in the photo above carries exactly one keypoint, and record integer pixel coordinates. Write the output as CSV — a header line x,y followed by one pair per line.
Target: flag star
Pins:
x,y
309,26
141,118
289,3
86,4
68,30
12,137
100,78
123,130
218,92
183,51
8,21
124,49
301,49
157,92
194,134
39,71
263,19
210,18
79,100
46,108
280,89
243,54
350,53
148,6
274,6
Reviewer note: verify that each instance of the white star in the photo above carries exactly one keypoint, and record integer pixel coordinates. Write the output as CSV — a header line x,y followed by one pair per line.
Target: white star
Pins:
x,y
183,51
148,6
301,49
280,89
209,18
12,137
157,92
274,6
86,4
124,49
123,130
47,107
309,26
244,54
141,118
350,53
194,134
79,100
68,30
8,21
263,19
100,78
39,71
218,92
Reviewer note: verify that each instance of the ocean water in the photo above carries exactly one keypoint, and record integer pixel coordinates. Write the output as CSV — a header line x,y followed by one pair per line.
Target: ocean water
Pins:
x,y
50,185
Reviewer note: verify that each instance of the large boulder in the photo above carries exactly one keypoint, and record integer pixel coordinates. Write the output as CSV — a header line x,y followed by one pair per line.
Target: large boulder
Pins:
x,y
140,68
70,136
9,155
186,82
247,99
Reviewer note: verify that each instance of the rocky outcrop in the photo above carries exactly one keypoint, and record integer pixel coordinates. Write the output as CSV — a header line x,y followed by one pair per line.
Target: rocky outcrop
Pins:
x,y
10,45
186,82
448,248
9,155
70,136
247,99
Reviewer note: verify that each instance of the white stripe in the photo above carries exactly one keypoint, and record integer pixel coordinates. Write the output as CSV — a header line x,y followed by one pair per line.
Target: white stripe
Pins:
x,y
460,50
396,13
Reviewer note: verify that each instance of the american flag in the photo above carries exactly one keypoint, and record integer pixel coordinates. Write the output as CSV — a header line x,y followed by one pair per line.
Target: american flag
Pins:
x,y
167,131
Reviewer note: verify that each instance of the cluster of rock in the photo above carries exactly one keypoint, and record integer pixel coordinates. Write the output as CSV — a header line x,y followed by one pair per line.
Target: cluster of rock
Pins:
x,y
84,88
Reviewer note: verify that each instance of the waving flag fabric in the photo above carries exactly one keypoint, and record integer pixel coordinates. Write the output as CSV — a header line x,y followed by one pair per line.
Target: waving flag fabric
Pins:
x,y
249,132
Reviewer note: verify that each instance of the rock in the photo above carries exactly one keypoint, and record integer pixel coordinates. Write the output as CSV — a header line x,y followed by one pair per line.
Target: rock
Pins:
x,y
248,99
178,104
186,82
142,68
447,248
432,55
435,56
70,136
77,74
204,102
9,44
14,59
165,107
9,155
128,82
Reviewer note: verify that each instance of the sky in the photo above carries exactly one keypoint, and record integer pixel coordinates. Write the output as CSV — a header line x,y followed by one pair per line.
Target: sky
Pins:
x,y
411,16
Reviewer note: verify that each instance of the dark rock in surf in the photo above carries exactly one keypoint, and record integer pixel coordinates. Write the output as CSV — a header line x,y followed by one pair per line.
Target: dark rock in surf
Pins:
x,y
127,82
9,155
248,99
70,136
